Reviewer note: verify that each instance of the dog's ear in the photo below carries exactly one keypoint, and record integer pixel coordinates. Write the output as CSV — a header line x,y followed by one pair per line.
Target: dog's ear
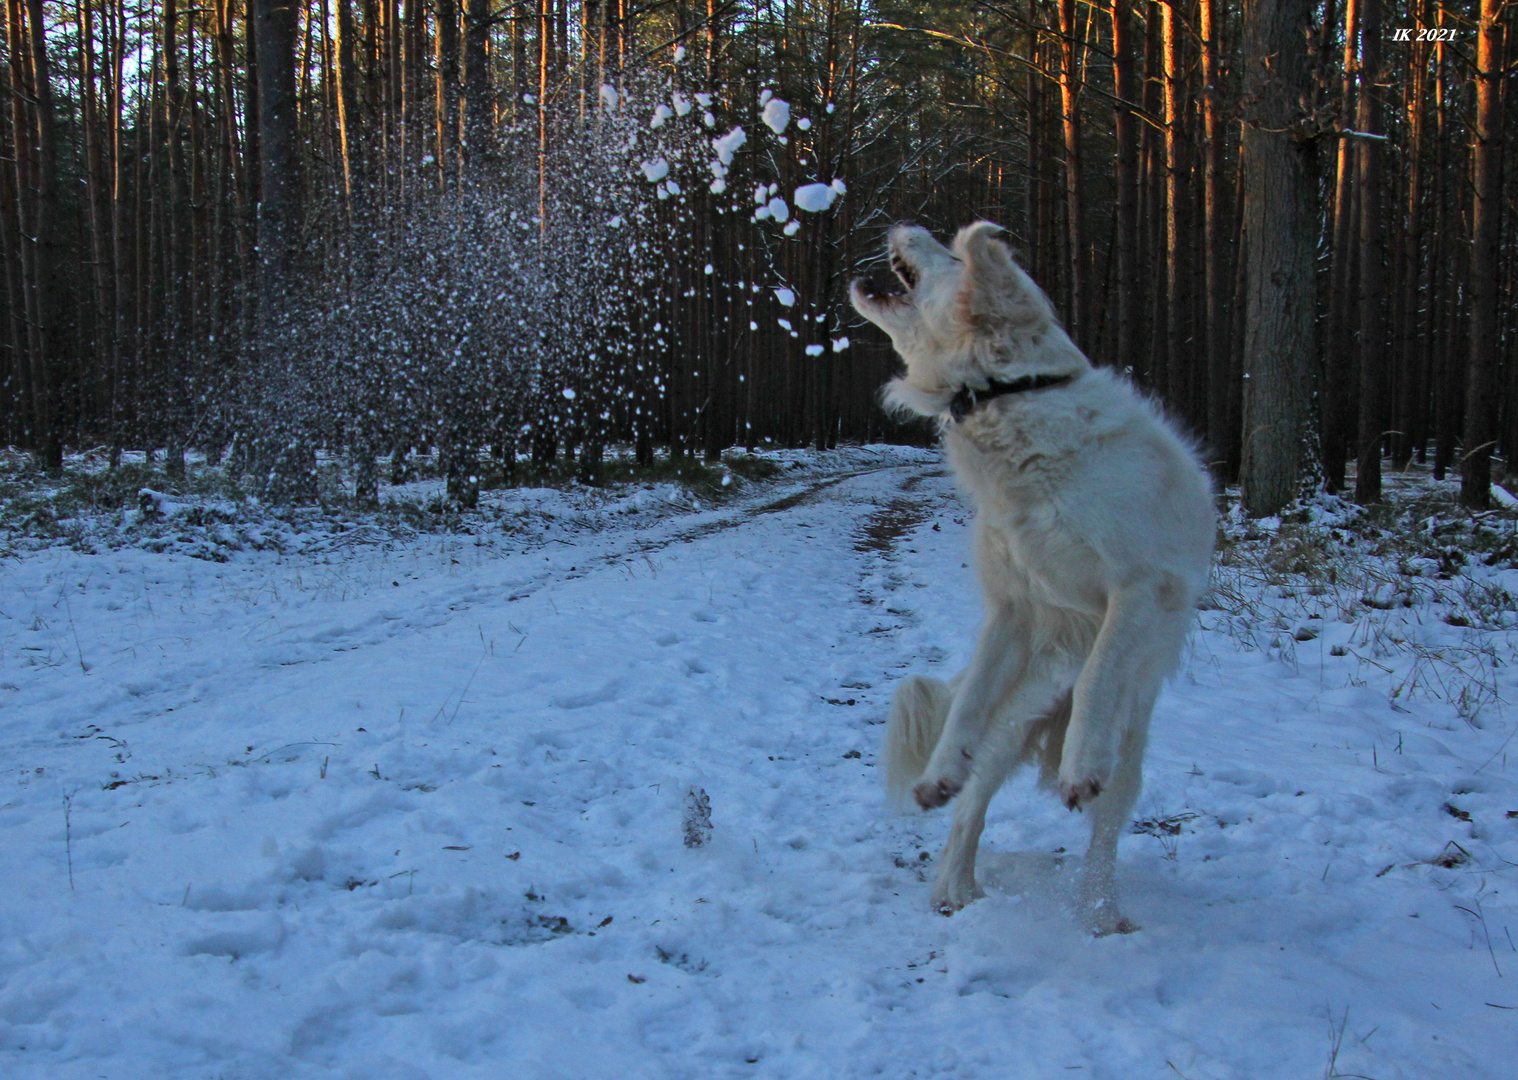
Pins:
x,y
996,294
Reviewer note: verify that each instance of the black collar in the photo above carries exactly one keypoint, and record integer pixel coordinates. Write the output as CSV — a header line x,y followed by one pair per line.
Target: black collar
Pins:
x,y
966,401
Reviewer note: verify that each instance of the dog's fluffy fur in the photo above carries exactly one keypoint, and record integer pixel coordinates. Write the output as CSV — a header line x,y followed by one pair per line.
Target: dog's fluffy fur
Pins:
x,y
1093,536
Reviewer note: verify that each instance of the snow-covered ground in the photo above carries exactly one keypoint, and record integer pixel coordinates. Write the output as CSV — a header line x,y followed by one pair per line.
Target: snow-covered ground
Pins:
x,y
413,807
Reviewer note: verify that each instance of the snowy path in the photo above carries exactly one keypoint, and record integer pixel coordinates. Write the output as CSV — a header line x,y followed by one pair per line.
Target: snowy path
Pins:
x,y
417,813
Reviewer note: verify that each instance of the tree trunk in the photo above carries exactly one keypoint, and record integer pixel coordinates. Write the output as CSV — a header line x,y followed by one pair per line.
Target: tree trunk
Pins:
x,y
286,463
1179,363
1069,88
478,105
1375,366
1280,220
49,364
446,120
1126,227
1484,277
1215,278
1339,364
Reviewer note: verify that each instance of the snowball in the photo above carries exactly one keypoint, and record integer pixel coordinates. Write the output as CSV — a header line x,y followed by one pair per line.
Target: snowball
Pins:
x,y
753,325
792,227
661,114
761,195
804,124
786,297
614,222
831,107
608,95
815,197
785,323
655,170
679,53
777,114
838,186
682,104
778,209
839,344
765,95
710,268
814,350
704,100
569,395
728,145
708,119
674,188
717,186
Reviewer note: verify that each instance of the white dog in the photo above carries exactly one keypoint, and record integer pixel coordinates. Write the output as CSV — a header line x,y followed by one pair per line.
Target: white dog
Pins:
x,y
1093,537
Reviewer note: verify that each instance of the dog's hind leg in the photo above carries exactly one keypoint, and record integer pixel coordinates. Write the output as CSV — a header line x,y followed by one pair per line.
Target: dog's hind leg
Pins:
x,y
956,885
1000,660
999,751
1096,899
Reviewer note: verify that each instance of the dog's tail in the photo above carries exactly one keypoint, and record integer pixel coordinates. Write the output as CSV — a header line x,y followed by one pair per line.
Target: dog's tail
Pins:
x,y
918,712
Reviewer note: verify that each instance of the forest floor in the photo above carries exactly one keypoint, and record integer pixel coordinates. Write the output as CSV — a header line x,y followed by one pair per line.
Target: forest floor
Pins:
x,y
339,795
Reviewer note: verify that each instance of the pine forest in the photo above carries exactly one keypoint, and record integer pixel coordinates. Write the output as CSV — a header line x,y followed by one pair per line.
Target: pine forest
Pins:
x,y
505,232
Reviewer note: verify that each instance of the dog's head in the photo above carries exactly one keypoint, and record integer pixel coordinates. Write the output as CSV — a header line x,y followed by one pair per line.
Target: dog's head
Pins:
x,y
962,316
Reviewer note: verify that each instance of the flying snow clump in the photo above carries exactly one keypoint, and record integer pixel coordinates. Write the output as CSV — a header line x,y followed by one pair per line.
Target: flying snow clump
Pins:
x,y
777,114
786,297
661,115
839,344
655,170
814,350
728,145
608,96
815,197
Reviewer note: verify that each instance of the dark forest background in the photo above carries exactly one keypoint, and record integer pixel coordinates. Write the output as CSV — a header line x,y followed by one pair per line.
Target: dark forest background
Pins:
x,y
267,229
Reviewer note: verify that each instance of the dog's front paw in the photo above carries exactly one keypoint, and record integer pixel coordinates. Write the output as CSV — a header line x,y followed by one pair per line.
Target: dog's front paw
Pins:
x,y
931,794
949,896
1076,794
1100,917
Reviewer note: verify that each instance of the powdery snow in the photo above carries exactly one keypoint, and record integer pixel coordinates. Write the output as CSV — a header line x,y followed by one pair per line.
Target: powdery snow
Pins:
x,y
413,808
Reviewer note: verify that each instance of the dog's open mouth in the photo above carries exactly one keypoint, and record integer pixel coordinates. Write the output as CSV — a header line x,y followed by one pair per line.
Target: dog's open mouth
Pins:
x,y
885,288
904,271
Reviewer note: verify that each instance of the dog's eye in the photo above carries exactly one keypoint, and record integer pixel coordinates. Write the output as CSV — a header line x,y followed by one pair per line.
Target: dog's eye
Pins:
x,y
904,271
